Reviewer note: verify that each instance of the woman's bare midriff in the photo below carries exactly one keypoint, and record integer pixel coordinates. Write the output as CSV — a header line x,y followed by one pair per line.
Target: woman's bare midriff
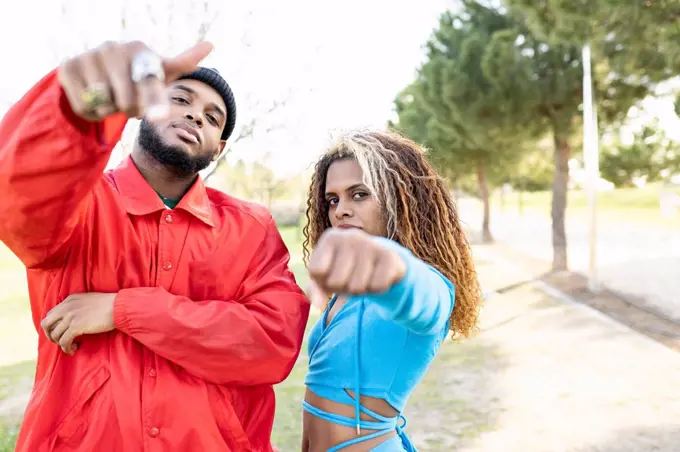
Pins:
x,y
319,435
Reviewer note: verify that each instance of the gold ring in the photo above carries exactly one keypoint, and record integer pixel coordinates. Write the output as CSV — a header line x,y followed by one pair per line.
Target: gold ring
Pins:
x,y
96,96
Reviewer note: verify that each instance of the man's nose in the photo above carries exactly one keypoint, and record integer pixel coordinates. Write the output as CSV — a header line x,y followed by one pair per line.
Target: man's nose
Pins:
x,y
196,118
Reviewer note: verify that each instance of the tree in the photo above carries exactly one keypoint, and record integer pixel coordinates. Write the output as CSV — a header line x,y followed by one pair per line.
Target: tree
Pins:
x,y
455,109
544,89
642,36
449,154
534,172
646,158
234,179
537,66
169,26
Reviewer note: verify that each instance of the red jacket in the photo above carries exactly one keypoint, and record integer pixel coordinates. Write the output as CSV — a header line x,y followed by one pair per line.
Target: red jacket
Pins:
x,y
207,316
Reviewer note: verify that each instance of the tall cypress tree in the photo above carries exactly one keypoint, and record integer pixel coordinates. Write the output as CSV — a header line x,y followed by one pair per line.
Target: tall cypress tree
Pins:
x,y
454,108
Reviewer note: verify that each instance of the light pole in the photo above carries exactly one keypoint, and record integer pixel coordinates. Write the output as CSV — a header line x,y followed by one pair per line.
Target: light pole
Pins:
x,y
591,159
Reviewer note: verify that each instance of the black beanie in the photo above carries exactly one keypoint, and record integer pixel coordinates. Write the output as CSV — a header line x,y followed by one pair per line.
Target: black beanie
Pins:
x,y
213,79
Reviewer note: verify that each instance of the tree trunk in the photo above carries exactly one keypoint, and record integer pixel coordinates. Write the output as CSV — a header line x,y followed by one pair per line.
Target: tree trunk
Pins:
x,y
484,194
559,200
270,195
520,201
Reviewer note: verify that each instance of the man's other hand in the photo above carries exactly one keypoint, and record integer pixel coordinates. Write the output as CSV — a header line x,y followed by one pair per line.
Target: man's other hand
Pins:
x,y
79,314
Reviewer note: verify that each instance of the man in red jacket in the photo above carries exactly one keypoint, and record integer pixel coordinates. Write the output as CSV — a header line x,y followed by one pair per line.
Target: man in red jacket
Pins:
x,y
165,309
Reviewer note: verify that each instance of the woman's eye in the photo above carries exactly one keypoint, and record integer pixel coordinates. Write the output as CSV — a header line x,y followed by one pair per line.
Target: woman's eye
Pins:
x,y
360,195
180,100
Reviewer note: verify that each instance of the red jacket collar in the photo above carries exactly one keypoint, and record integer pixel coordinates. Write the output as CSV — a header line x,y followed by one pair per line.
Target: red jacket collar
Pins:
x,y
139,198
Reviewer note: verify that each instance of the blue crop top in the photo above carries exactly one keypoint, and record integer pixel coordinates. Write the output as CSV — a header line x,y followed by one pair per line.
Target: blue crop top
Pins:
x,y
380,345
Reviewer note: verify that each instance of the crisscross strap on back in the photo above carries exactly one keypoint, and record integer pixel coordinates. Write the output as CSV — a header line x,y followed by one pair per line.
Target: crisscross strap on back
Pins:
x,y
382,425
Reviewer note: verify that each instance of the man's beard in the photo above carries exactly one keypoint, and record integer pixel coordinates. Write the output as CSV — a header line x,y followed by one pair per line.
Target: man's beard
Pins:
x,y
174,158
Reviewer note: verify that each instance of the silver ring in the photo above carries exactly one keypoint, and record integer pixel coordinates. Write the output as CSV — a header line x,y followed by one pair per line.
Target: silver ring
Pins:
x,y
146,64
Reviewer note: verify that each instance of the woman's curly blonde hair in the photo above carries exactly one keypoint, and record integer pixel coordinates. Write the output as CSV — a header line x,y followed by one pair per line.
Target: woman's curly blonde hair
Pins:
x,y
418,209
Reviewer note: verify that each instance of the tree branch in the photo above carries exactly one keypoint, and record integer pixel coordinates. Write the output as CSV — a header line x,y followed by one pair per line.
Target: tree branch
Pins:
x,y
206,26
248,129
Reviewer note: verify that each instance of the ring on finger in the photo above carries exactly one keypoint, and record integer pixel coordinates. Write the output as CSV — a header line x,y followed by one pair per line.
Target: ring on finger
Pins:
x,y
96,96
146,64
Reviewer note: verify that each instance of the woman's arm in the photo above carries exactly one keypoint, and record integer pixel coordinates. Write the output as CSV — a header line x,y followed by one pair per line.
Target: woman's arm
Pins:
x,y
422,300
405,289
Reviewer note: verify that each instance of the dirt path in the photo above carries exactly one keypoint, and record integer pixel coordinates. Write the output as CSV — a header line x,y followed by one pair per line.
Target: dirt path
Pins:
x,y
547,375
640,261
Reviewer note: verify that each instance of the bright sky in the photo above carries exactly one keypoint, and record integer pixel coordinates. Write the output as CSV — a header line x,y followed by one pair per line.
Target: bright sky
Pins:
x,y
339,64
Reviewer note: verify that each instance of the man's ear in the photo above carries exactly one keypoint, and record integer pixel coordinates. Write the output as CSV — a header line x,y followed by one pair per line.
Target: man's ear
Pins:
x,y
223,146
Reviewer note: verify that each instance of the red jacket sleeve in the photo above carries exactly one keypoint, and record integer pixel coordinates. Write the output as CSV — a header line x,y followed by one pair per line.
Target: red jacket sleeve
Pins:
x,y
250,341
50,160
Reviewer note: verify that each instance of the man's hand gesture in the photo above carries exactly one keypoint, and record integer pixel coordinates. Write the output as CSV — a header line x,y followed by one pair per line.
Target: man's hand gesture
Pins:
x,y
127,78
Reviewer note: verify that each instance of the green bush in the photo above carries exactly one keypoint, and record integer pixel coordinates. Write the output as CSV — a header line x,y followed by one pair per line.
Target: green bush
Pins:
x,y
287,215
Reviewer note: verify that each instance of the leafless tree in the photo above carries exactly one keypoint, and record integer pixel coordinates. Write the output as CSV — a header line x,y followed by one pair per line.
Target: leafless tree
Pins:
x,y
158,20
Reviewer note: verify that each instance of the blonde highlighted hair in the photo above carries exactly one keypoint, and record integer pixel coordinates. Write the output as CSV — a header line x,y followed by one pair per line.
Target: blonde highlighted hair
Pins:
x,y
417,207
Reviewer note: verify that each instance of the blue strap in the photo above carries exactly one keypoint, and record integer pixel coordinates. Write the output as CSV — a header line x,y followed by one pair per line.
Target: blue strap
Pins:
x,y
405,440
357,369
382,424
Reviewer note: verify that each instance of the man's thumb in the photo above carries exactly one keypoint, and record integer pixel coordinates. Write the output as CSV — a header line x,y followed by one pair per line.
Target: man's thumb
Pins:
x,y
186,61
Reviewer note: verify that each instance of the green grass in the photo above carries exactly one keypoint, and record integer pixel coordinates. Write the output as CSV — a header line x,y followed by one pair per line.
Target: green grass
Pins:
x,y
16,375
287,431
13,378
292,237
634,205
19,337
16,329
8,436
289,394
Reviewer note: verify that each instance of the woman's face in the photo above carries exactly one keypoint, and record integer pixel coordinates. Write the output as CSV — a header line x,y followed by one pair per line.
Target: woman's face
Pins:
x,y
350,203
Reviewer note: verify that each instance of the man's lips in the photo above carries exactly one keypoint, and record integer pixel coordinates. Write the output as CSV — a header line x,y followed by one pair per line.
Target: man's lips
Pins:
x,y
188,133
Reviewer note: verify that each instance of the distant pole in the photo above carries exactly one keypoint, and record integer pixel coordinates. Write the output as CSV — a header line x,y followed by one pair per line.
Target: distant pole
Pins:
x,y
592,164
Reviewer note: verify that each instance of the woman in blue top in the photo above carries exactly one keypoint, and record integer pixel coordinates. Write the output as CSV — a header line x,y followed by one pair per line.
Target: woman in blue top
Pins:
x,y
383,235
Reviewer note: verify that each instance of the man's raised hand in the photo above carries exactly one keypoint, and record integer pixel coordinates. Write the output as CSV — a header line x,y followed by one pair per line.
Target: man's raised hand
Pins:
x,y
124,77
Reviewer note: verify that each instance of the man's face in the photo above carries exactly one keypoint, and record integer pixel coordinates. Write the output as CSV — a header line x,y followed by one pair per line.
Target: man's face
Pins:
x,y
190,138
